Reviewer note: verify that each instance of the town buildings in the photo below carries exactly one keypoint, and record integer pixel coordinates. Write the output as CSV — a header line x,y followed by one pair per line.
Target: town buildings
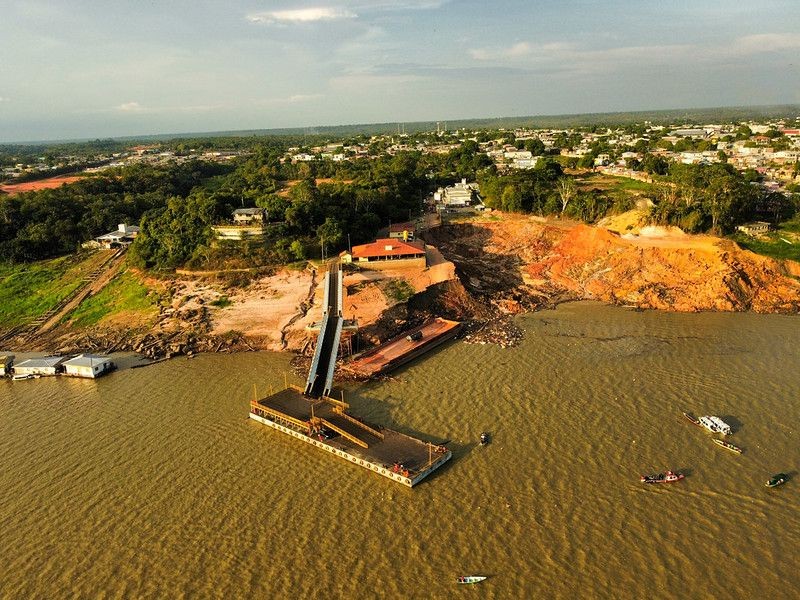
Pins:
x,y
403,231
459,197
248,224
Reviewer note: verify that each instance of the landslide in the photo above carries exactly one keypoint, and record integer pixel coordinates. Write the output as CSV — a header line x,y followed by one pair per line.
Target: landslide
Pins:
x,y
518,263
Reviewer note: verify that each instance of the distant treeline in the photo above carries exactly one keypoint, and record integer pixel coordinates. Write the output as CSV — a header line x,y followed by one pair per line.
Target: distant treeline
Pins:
x,y
306,135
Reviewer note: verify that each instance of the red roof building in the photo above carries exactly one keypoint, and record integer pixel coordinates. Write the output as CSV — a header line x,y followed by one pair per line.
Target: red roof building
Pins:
x,y
385,249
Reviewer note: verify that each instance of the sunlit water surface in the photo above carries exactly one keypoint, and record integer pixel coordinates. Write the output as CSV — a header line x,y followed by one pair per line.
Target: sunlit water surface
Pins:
x,y
153,483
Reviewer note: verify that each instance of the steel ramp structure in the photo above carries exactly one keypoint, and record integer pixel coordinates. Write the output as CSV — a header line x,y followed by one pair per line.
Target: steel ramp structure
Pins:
x,y
323,364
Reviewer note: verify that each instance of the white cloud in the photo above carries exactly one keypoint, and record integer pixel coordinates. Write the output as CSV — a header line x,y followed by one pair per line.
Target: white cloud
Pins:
x,y
284,100
767,42
135,107
301,15
302,98
518,50
130,107
404,4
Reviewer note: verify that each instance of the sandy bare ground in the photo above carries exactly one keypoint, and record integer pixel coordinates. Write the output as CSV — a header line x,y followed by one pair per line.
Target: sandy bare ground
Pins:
x,y
278,309
267,306
660,268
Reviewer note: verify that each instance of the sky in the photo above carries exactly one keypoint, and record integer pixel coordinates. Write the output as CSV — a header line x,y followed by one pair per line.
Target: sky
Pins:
x,y
88,69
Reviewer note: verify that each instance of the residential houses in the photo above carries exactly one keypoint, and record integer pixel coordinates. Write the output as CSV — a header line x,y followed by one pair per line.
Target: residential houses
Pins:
x,y
248,224
121,237
249,216
402,231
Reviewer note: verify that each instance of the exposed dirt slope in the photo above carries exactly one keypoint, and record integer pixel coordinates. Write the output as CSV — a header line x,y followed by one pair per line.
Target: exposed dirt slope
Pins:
x,y
517,262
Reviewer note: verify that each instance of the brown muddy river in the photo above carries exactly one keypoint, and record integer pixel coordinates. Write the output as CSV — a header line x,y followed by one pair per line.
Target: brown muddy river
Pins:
x,y
153,483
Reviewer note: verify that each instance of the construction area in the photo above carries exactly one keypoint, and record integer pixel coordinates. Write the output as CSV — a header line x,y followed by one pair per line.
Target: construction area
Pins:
x,y
402,349
313,416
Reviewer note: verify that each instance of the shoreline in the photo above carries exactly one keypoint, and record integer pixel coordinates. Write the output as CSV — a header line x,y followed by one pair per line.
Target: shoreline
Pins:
x,y
486,271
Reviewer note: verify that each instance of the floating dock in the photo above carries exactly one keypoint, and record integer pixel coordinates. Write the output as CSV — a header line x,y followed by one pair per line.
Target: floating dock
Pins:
x,y
325,423
401,349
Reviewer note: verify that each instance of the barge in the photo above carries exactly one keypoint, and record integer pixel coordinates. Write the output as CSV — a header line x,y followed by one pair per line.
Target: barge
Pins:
x,y
403,348
326,424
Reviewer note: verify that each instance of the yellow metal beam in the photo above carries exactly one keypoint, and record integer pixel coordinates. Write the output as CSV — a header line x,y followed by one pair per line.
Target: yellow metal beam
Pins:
x,y
342,432
358,423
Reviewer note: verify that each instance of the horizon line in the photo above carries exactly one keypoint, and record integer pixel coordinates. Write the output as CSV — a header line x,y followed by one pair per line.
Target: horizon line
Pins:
x,y
295,130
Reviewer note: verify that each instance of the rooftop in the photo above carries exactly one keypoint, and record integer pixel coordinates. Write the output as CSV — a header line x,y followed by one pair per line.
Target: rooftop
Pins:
x,y
46,361
87,360
398,227
388,247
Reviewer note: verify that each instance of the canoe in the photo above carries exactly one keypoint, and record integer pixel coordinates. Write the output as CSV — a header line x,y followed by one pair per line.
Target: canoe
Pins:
x,y
777,480
727,445
693,419
470,579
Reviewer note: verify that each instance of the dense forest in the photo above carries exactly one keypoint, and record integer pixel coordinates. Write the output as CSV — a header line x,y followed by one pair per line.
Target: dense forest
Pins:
x,y
321,206
52,222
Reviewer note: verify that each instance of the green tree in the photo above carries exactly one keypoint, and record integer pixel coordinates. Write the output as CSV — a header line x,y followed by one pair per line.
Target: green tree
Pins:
x,y
329,233
511,199
535,146
298,250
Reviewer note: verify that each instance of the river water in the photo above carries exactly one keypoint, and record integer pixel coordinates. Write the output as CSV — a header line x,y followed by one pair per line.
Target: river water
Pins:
x,y
153,482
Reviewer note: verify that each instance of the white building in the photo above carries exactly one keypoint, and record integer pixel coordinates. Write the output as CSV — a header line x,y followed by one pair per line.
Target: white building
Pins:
x,y
123,236
88,365
459,194
49,365
246,216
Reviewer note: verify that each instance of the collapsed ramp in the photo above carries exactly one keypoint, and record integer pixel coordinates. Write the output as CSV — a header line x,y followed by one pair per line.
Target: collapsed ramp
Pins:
x,y
320,375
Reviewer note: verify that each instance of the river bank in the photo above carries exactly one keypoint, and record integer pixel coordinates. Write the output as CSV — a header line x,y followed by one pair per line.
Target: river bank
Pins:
x,y
481,271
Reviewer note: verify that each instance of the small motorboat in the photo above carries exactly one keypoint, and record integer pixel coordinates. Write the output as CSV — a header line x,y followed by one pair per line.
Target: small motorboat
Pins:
x,y
727,445
24,377
693,419
668,477
777,480
470,579
485,438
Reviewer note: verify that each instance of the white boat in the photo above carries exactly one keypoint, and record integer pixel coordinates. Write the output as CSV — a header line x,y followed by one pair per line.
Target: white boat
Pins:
x,y
715,425
24,377
470,579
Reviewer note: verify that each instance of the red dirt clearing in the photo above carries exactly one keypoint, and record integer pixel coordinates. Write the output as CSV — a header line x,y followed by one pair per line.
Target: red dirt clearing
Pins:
x,y
42,184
